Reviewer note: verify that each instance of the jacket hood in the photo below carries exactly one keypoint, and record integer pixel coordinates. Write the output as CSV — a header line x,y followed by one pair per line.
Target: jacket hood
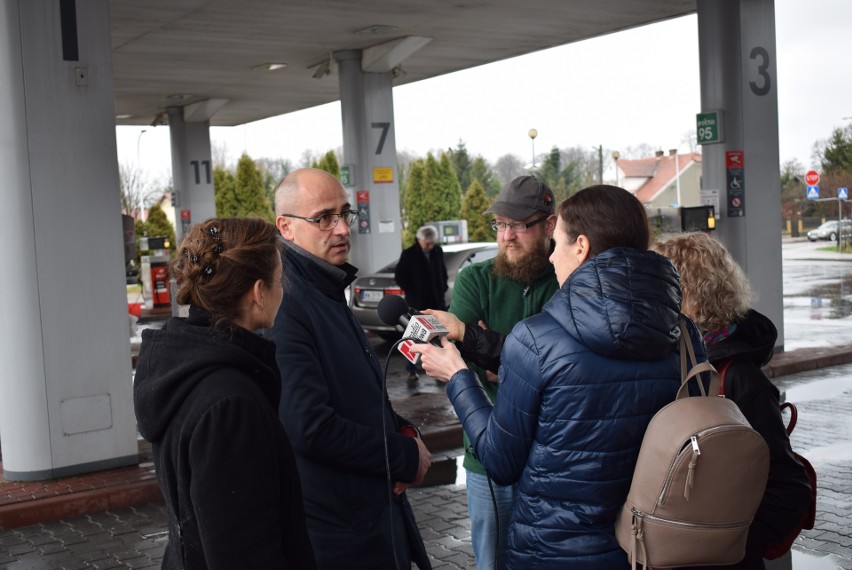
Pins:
x,y
175,359
623,303
753,340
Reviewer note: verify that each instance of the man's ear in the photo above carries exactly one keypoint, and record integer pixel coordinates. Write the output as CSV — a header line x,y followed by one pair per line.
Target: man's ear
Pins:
x,y
550,225
283,225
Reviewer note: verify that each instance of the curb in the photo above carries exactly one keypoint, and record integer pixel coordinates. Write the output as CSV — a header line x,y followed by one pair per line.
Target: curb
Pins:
x,y
27,513
804,359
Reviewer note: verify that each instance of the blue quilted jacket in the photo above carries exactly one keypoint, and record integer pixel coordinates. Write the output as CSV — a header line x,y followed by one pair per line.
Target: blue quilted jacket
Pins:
x,y
579,383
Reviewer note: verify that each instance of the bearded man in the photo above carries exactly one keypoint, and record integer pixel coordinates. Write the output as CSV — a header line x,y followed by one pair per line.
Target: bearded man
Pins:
x,y
498,293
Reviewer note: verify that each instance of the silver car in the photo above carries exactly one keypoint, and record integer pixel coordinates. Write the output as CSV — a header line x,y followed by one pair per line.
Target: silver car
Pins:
x,y
829,231
366,292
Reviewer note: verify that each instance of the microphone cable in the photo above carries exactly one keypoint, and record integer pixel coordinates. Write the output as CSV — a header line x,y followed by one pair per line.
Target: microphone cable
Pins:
x,y
385,404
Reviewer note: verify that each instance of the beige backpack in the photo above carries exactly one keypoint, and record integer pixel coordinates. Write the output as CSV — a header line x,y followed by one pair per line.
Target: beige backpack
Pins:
x,y
699,479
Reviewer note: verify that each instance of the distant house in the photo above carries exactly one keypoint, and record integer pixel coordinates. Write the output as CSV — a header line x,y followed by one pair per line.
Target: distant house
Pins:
x,y
654,181
168,207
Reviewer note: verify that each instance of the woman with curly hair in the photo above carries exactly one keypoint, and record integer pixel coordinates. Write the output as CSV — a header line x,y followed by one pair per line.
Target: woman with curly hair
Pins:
x,y
717,296
206,396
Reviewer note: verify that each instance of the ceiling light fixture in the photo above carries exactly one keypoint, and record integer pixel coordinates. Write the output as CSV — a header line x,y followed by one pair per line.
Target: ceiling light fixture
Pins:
x,y
160,120
377,30
269,66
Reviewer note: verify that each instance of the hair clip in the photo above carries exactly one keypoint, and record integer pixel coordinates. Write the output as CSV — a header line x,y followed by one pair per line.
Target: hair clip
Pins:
x,y
194,259
219,248
185,252
212,230
207,270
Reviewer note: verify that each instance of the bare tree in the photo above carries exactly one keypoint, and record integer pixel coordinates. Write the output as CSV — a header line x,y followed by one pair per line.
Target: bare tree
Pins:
x,y
689,140
136,191
637,151
219,152
508,167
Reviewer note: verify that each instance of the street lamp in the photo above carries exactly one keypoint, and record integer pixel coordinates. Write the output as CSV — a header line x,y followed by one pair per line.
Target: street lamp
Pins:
x,y
533,133
615,156
138,140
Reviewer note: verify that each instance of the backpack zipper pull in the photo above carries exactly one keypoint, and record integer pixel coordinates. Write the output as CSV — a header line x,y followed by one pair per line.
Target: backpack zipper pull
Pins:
x,y
690,474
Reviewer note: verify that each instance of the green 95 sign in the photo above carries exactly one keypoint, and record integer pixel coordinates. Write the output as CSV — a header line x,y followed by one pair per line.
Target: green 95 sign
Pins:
x,y
708,127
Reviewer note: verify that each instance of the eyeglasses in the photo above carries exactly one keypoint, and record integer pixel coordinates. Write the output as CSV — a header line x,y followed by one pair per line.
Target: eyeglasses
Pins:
x,y
328,222
517,227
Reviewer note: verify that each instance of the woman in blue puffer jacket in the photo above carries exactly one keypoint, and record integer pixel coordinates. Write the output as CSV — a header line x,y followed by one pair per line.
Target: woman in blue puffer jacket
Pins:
x,y
579,383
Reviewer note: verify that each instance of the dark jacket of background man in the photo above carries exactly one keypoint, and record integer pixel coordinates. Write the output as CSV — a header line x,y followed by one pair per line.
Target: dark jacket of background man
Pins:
x,y
423,279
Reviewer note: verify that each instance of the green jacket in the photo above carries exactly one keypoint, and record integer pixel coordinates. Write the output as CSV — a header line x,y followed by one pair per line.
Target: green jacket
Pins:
x,y
500,304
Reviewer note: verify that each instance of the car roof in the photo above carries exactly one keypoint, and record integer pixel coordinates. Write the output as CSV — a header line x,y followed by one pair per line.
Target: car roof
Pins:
x,y
448,248
454,247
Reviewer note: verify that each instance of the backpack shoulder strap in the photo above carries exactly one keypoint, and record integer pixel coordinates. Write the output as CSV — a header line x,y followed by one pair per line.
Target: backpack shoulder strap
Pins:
x,y
690,368
722,370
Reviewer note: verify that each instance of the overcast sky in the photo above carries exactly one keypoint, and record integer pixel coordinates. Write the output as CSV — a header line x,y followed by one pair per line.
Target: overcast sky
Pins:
x,y
621,90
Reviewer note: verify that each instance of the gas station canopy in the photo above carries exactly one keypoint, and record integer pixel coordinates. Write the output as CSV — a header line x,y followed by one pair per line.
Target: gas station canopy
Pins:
x,y
224,53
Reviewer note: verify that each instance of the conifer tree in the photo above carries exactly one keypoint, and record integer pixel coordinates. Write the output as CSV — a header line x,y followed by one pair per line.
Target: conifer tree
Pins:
x,y
447,193
553,175
330,164
250,192
223,193
481,170
158,225
414,200
432,196
462,164
474,202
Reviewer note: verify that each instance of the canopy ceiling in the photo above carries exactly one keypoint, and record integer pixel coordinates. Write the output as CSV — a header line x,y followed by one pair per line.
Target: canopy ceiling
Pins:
x,y
180,52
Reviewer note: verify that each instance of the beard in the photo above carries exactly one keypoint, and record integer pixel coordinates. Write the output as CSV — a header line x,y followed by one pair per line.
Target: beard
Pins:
x,y
525,269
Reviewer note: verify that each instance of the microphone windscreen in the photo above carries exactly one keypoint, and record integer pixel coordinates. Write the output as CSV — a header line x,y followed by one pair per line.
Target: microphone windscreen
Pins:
x,y
391,308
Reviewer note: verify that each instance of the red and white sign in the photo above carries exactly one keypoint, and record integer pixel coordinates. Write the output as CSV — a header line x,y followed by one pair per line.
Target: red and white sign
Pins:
x,y
812,178
734,159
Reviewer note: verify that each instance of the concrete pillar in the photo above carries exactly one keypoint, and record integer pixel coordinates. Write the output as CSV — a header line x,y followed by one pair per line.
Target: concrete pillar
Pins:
x,y
192,170
65,372
738,77
369,149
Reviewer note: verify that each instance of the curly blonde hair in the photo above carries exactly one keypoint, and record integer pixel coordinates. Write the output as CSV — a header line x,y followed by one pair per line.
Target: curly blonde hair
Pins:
x,y
716,292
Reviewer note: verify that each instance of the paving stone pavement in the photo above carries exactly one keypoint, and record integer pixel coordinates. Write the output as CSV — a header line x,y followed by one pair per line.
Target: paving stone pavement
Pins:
x,y
135,537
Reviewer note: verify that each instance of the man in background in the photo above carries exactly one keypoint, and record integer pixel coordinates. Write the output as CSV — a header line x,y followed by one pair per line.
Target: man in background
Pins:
x,y
422,274
356,456
498,293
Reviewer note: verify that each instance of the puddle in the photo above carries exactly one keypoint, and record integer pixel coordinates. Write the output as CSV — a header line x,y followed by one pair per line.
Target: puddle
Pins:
x,y
802,561
839,452
820,390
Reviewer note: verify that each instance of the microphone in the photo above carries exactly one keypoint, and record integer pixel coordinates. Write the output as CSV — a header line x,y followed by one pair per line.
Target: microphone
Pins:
x,y
394,310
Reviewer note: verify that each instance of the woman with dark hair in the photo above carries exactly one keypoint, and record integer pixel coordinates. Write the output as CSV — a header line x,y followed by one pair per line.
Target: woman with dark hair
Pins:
x,y
579,383
717,296
206,396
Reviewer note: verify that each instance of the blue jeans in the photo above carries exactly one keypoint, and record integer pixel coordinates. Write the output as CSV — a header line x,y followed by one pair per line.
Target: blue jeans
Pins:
x,y
483,526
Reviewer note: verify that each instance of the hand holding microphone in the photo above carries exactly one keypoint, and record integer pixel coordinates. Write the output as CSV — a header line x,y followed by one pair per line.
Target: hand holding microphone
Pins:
x,y
393,310
450,322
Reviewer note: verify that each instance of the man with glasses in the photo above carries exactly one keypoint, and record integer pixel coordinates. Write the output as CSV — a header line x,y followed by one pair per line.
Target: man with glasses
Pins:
x,y
497,293
356,456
